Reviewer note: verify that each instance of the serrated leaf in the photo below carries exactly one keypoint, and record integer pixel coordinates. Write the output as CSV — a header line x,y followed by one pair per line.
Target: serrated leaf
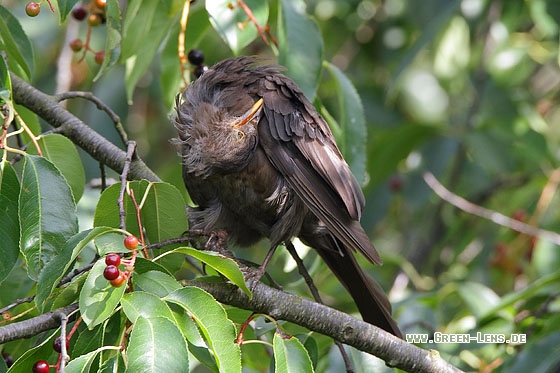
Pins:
x,y
156,345
63,154
156,282
300,45
83,363
290,355
47,213
9,222
59,265
163,213
233,24
43,351
225,266
212,319
16,44
98,298
352,122
145,305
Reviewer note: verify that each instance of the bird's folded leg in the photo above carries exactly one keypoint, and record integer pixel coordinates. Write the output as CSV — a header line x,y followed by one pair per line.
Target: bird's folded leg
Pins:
x,y
253,276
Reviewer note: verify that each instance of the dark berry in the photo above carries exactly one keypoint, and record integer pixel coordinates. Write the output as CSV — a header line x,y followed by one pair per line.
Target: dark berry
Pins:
x,y
41,366
32,9
119,281
111,272
76,45
8,359
199,70
395,184
196,57
99,57
113,259
79,13
57,345
131,242
94,20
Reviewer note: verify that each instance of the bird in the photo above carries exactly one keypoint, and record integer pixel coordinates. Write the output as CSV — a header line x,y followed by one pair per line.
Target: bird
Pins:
x,y
259,161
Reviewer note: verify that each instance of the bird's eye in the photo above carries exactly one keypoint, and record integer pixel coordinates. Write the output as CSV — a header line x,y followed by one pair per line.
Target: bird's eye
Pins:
x,y
239,135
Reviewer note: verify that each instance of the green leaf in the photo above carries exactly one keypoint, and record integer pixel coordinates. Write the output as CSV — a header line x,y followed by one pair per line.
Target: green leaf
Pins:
x,y
388,147
63,154
478,297
163,213
47,213
145,305
113,37
146,24
156,345
111,243
14,41
43,351
65,7
233,23
212,319
225,266
290,355
9,224
429,33
5,83
98,298
301,46
59,265
352,122
83,363
156,282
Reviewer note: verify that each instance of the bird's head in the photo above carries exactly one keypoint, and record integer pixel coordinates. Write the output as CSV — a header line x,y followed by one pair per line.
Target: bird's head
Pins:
x,y
215,141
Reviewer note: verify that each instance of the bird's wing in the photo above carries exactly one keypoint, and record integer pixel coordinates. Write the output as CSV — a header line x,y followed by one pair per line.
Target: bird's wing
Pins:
x,y
299,143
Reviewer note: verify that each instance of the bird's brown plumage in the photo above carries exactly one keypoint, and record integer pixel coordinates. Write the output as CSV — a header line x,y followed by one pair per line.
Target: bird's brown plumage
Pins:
x,y
275,172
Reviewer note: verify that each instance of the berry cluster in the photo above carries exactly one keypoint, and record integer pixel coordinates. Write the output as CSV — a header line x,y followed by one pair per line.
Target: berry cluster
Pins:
x,y
196,58
95,15
112,272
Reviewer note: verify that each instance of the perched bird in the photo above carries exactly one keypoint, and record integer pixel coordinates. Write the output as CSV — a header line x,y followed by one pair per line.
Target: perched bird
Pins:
x,y
259,161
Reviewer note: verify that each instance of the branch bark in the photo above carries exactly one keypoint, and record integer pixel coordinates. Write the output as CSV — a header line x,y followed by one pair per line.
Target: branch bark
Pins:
x,y
338,325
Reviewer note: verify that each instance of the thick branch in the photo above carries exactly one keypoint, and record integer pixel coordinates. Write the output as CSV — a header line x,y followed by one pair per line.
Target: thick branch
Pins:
x,y
29,328
72,127
328,321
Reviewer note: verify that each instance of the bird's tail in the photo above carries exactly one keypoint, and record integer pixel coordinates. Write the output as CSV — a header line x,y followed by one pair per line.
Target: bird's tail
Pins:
x,y
370,298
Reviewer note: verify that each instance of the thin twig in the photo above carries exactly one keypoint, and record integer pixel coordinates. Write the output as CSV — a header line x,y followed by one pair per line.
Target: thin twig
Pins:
x,y
124,176
101,106
491,215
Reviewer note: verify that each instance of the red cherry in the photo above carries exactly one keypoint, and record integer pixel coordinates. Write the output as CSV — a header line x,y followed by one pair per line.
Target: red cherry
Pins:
x,y
119,281
99,57
41,366
101,3
395,184
32,9
131,242
57,345
111,272
112,259
76,45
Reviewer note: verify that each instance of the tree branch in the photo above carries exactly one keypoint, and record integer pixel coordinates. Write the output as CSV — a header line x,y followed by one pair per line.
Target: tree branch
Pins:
x,y
29,328
72,127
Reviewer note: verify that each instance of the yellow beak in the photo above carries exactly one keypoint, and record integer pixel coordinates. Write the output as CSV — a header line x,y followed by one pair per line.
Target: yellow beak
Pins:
x,y
253,112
